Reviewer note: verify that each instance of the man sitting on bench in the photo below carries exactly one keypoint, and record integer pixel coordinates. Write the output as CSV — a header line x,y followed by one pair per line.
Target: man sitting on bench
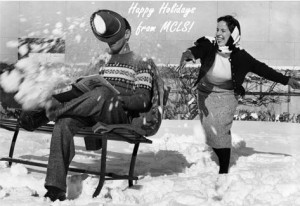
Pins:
x,y
129,73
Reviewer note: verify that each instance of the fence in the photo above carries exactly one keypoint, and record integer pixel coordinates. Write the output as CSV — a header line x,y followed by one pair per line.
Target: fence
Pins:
x,y
270,101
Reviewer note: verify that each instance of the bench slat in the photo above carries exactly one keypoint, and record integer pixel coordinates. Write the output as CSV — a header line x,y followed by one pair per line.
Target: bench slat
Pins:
x,y
112,176
118,132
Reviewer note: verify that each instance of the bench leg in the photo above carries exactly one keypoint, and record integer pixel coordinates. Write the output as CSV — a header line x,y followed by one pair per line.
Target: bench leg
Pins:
x,y
102,169
132,163
13,143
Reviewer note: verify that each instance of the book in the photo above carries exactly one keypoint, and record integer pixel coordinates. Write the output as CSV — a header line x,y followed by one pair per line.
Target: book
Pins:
x,y
82,85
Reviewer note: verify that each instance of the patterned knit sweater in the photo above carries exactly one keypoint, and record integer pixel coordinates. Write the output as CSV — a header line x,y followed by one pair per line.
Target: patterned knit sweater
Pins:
x,y
132,76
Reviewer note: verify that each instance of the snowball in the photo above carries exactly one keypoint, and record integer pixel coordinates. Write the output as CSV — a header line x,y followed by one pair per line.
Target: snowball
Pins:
x,y
99,24
46,31
58,25
287,189
23,19
27,65
57,32
78,38
12,44
100,59
238,142
23,50
71,27
10,81
74,186
83,24
35,83
3,164
3,194
18,169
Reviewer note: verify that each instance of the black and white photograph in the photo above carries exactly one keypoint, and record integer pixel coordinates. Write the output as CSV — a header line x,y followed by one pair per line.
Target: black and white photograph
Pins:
x,y
150,103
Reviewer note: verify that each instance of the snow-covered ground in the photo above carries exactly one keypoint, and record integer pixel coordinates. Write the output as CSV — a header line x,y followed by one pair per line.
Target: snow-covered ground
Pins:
x,y
177,169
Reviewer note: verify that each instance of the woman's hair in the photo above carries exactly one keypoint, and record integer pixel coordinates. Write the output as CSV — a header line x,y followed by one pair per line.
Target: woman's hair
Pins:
x,y
231,22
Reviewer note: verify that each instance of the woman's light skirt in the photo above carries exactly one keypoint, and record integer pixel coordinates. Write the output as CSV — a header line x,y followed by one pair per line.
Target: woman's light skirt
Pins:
x,y
217,107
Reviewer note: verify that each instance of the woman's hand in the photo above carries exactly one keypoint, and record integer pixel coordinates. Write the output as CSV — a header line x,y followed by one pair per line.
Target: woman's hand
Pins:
x,y
294,83
186,56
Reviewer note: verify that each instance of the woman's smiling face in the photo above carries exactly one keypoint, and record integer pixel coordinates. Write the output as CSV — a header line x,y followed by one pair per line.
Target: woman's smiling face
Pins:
x,y
222,33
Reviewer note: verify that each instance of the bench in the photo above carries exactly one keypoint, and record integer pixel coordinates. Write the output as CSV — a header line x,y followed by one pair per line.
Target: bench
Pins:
x,y
117,132
131,133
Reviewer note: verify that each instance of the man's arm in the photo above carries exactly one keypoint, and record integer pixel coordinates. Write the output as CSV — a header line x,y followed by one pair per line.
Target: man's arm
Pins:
x,y
139,101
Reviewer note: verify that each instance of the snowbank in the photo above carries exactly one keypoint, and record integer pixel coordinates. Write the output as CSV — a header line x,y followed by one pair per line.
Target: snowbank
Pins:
x,y
177,169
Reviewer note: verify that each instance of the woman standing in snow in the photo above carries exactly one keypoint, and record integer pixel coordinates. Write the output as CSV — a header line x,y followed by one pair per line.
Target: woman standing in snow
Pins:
x,y
224,66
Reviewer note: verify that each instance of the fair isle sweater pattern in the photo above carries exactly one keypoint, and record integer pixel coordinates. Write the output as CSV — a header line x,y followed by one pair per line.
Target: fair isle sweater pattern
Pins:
x,y
128,71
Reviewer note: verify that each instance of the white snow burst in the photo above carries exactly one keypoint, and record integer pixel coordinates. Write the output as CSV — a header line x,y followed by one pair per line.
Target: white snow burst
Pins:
x,y
34,83
12,44
78,38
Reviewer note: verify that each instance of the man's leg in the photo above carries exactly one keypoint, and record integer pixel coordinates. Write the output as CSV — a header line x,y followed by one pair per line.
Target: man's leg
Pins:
x,y
87,105
62,151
